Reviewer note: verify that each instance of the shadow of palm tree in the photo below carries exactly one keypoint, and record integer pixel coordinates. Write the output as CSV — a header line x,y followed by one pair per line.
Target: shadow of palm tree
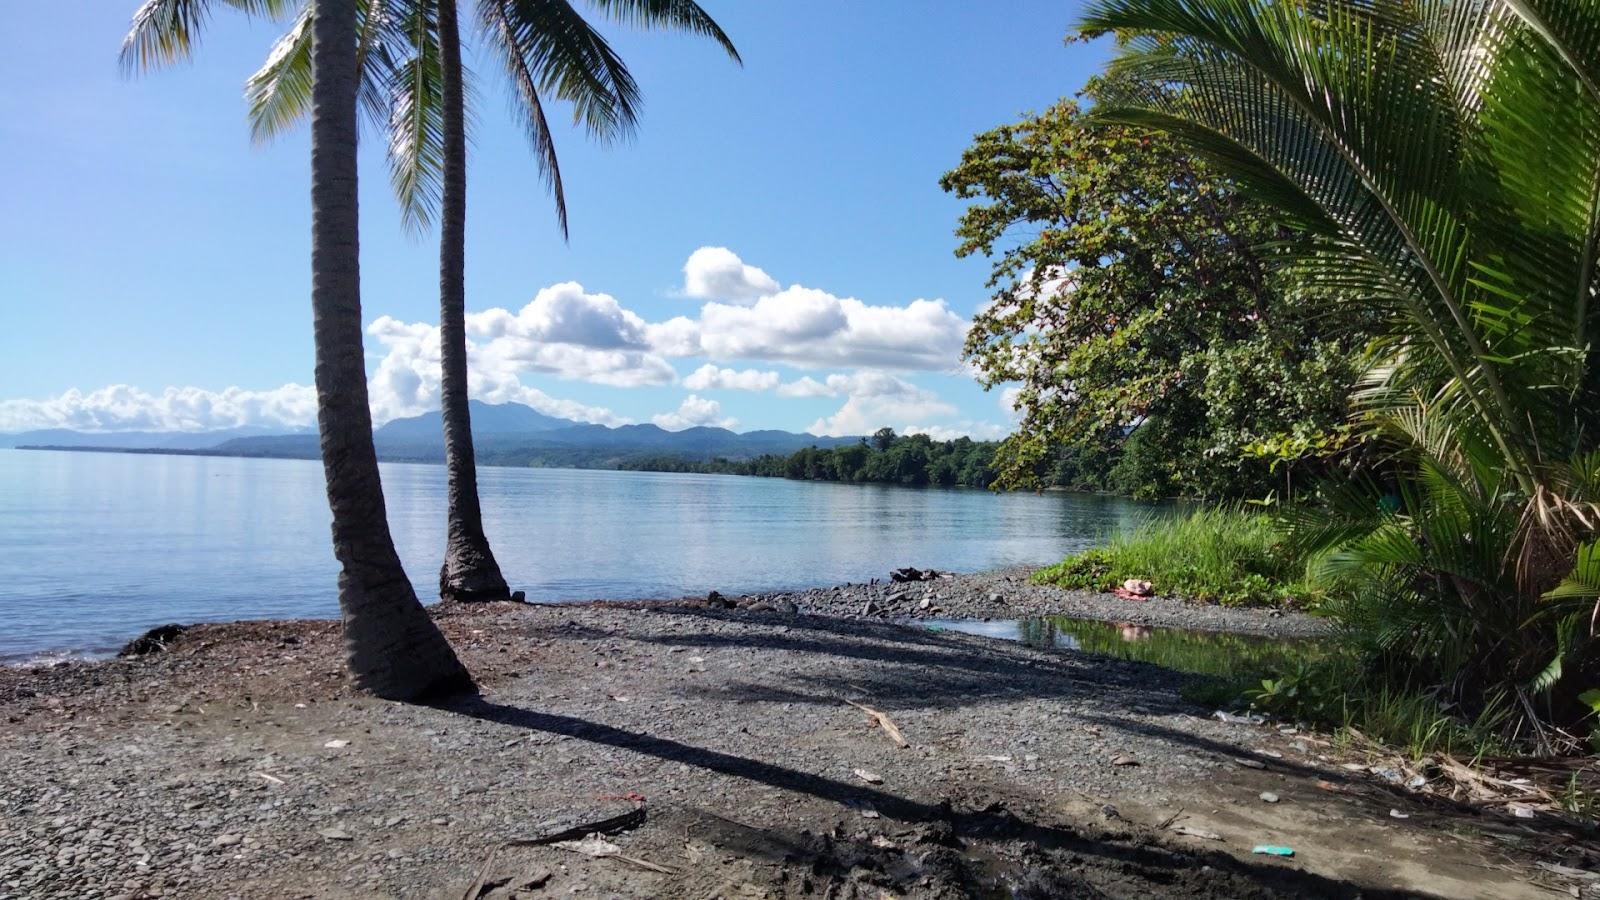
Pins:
x,y
993,824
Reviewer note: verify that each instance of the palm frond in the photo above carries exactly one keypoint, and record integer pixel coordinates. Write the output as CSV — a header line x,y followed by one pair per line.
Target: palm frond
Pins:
x,y
564,58
279,93
416,114
167,31
683,15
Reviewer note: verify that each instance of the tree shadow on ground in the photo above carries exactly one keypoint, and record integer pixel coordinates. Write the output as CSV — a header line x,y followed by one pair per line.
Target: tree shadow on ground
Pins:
x,y
993,824
968,669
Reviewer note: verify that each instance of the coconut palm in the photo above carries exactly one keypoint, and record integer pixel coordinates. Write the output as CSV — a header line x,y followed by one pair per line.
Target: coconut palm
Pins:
x,y
413,57
393,648
1442,159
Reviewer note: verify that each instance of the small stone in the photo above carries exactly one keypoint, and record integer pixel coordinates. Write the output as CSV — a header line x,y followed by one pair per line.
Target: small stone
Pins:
x,y
335,834
869,777
227,840
1124,760
1269,797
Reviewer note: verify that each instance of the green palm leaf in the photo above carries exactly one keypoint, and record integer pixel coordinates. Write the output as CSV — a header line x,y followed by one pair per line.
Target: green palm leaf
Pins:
x,y
166,31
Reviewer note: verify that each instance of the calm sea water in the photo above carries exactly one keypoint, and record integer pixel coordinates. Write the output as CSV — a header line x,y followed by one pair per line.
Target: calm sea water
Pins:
x,y
97,547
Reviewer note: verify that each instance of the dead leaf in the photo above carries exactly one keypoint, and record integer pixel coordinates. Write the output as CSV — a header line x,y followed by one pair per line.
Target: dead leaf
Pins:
x,y
883,721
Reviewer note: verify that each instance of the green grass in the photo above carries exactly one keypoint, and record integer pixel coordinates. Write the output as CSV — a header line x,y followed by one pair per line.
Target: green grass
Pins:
x,y
1236,557
1225,555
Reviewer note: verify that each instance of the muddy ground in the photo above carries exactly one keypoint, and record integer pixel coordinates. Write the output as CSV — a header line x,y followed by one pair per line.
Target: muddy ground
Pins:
x,y
237,763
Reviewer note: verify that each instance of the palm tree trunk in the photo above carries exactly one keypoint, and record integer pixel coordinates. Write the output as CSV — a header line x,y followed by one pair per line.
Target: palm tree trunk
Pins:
x,y
470,572
392,646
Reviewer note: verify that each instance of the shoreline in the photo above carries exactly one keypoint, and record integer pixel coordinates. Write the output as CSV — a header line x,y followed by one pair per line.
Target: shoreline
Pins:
x,y
997,594
238,762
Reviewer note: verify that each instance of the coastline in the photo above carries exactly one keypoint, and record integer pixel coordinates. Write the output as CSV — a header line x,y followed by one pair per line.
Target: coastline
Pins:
x,y
997,594
237,761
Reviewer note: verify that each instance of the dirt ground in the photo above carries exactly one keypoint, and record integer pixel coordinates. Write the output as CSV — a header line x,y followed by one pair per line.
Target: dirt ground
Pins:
x,y
237,763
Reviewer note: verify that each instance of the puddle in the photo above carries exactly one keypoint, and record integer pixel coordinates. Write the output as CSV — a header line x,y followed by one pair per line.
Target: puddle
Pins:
x,y
1201,652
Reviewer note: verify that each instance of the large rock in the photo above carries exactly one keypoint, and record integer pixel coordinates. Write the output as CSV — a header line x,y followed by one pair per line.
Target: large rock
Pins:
x,y
153,641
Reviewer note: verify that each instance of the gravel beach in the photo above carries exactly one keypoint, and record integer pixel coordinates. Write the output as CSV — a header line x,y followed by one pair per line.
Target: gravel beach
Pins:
x,y
735,745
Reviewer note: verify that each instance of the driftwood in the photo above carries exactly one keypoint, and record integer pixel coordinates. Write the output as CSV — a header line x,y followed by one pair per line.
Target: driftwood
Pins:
x,y
622,822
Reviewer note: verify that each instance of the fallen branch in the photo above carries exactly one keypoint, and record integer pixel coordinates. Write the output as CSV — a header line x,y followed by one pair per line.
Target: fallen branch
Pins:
x,y
883,721
623,822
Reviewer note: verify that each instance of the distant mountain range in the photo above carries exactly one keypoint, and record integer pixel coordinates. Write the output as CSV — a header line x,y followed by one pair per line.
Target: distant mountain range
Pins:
x,y
504,434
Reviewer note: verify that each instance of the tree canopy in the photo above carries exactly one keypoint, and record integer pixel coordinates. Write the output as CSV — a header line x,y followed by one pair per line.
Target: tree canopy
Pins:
x,y
1135,317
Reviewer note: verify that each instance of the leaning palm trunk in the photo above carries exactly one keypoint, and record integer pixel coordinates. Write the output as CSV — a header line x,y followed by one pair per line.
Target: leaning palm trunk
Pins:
x,y
393,648
470,572
411,79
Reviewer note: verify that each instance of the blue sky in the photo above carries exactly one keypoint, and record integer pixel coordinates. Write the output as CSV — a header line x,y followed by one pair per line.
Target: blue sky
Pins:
x,y
154,261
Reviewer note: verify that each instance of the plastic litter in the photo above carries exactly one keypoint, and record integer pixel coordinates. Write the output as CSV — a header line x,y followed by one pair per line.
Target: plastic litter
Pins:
x,y
1397,814
1270,850
1229,718
1269,797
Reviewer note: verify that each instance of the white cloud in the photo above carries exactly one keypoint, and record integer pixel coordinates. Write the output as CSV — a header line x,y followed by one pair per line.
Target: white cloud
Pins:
x,y
572,334
564,314
874,400
978,431
806,387
677,336
808,327
406,381
1008,402
694,411
121,407
709,377
717,273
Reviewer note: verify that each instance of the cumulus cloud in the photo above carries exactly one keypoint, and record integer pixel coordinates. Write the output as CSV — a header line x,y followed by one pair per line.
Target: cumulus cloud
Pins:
x,y
874,400
717,273
750,317
694,411
564,331
121,407
808,327
806,387
406,381
570,333
980,431
709,377
677,336
564,314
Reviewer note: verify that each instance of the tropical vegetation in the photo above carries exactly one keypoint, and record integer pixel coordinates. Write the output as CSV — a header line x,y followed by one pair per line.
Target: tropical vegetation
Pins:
x,y
1214,554
1149,344
1436,167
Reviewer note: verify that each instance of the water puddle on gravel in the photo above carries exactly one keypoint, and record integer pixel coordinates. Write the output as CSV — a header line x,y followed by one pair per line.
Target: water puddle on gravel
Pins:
x,y
1200,652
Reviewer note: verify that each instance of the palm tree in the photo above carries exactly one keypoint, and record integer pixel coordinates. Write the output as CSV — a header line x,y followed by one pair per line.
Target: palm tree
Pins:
x,y
393,648
1442,159
548,50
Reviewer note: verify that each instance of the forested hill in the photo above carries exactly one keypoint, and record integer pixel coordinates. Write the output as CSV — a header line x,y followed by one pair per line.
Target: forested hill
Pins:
x,y
884,458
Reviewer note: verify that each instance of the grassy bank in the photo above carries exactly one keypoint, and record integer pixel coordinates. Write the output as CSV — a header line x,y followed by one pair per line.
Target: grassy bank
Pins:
x,y
1370,686
1223,555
